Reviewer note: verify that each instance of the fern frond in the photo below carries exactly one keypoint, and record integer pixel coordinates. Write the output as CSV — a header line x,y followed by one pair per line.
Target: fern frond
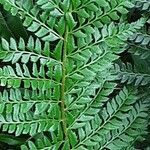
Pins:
x,y
139,45
143,5
16,115
14,77
100,49
101,64
112,124
92,108
31,51
98,13
41,144
29,13
59,83
128,74
111,35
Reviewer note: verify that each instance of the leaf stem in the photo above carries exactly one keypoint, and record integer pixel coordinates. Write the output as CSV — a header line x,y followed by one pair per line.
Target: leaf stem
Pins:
x,y
63,116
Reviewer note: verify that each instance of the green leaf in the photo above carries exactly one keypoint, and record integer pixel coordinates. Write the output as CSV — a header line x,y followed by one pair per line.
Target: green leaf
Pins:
x,y
102,3
51,37
56,13
80,34
70,20
5,44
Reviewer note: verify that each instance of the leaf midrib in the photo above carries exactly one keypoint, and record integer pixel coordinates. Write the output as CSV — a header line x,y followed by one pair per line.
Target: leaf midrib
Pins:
x,y
62,94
